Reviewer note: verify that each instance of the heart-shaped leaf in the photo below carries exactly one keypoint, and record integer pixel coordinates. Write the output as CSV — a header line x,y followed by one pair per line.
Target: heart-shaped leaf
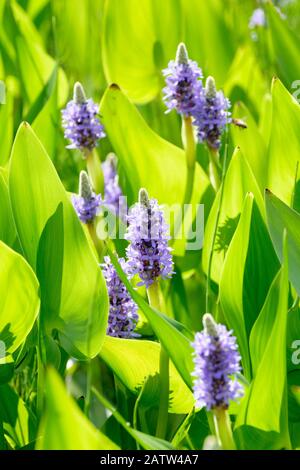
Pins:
x,y
149,45
36,192
64,426
280,217
238,181
269,352
249,269
142,361
19,299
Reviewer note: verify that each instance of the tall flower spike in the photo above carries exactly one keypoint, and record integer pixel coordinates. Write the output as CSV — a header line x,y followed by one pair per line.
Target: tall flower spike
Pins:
x,y
183,83
87,203
212,115
148,253
217,362
123,316
80,121
113,196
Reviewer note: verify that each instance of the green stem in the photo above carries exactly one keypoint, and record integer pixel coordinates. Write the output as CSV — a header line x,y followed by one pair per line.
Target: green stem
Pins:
x,y
122,404
190,153
207,306
41,362
95,171
89,384
214,168
40,385
99,244
156,301
125,424
223,429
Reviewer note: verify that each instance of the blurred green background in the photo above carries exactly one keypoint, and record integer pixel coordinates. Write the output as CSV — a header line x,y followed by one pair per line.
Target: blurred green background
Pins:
x,y
46,45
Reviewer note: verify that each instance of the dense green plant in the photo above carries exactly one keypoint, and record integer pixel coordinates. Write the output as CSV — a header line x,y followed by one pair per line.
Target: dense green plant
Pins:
x,y
64,382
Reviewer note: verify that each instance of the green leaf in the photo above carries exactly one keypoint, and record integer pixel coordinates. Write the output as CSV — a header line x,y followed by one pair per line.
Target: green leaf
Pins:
x,y
147,159
145,440
260,332
177,345
148,46
7,368
19,424
47,122
64,426
251,144
205,24
25,25
36,67
50,266
8,231
6,124
280,217
142,361
78,30
266,388
240,177
245,80
285,45
36,192
283,152
19,299
249,269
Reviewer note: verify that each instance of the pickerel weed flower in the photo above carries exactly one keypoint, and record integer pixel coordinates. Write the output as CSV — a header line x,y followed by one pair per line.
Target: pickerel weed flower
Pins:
x,y
81,122
87,203
123,315
217,362
113,196
148,253
183,83
258,18
212,115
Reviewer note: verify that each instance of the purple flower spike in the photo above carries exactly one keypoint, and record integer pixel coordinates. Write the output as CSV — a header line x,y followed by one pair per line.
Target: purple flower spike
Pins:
x,y
184,85
80,121
212,115
123,316
113,196
258,18
87,203
217,362
148,253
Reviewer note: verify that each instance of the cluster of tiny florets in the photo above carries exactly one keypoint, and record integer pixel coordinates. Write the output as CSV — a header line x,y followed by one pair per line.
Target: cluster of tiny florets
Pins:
x,y
149,255
123,317
217,363
185,93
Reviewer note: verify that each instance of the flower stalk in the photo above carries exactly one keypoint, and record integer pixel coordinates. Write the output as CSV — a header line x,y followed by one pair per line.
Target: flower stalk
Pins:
x,y
94,170
214,168
156,301
150,258
217,364
87,205
223,429
190,152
